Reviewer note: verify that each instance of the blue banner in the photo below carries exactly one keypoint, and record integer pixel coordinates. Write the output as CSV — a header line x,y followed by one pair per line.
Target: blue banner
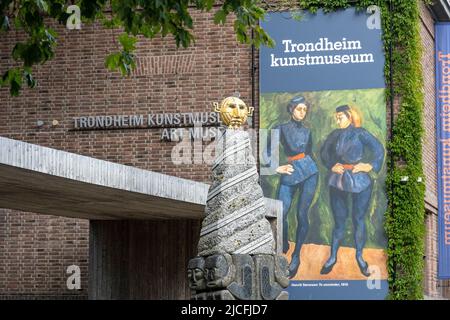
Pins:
x,y
334,51
442,37
322,103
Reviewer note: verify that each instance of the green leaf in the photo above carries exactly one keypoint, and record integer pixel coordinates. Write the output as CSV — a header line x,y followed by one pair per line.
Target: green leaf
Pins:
x,y
50,34
29,78
209,4
127,42
220,17
5,26
18,51
42,5
15,87
13,78
112,61
123,61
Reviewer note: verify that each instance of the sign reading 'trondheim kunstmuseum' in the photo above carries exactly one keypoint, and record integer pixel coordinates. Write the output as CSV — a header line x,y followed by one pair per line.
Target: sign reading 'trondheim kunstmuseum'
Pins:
x,y
174,126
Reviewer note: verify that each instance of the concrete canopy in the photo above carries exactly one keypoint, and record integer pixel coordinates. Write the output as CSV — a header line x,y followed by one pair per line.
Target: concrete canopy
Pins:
x,y
440,10
49,181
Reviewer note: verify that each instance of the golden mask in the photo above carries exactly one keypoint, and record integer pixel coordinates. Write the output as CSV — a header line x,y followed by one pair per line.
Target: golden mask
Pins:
x,y
233,112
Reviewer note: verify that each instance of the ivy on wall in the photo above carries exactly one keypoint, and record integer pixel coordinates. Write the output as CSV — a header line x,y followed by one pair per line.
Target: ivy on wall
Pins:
x,y
405,215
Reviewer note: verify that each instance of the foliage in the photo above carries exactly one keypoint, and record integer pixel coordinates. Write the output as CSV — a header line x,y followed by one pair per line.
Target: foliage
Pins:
x,y
135,17
405,219
125,59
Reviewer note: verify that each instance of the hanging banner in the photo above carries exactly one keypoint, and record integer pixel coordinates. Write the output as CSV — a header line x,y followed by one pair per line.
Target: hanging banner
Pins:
x,y
323,155
442,37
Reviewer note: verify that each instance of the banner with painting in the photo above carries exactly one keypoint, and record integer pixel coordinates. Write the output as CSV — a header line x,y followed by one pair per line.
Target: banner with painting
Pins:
x,y
323,149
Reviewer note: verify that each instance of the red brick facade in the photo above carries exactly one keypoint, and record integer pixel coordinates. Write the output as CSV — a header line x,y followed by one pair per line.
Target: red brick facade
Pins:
x,y
35,250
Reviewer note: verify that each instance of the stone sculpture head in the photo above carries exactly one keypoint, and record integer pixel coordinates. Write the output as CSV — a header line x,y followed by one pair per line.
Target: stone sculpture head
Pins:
x,y
233,112
196,274
219,271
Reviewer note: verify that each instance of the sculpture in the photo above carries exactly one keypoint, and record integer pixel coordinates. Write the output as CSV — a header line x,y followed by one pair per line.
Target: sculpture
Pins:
x,y
236,240
233,112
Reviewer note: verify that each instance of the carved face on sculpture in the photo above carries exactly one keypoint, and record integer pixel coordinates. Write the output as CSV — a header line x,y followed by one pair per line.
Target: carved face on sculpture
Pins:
x,y
217,269
196,274
233,112
282,271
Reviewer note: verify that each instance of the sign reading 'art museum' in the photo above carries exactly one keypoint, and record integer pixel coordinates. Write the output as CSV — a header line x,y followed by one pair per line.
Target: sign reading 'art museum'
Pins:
x,y
175,126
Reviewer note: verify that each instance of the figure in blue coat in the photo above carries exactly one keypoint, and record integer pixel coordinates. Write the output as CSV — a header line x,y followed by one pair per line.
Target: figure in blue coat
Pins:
x,y
300,174
350,153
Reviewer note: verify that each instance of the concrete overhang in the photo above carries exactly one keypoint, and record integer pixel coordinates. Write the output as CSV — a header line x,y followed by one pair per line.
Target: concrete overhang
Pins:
x,y
43,180
440,10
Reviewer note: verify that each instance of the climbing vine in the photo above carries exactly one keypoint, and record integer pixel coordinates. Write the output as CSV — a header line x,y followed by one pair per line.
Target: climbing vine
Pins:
x,y
405,215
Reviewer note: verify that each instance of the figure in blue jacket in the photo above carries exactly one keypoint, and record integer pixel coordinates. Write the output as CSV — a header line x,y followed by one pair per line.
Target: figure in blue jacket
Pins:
x,y
350,153
300,174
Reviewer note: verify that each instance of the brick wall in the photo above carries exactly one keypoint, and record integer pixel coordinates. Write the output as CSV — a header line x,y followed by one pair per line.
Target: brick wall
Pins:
x,y
35,250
